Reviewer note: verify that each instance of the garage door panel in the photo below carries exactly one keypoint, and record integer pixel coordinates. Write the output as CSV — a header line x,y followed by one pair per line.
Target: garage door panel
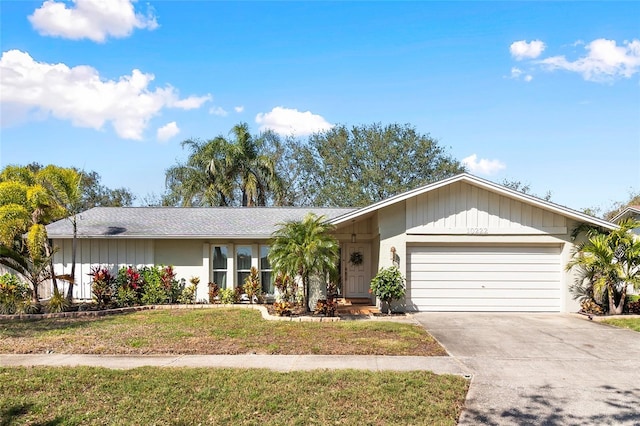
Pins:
x,y
488,293
484,278
444,276
485,267
543,285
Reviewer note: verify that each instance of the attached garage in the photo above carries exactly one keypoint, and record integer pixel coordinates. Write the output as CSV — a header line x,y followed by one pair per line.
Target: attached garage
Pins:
x,y
491,278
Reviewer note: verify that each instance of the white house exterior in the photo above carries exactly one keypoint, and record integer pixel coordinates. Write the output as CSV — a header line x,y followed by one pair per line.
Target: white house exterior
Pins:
x,y
463,244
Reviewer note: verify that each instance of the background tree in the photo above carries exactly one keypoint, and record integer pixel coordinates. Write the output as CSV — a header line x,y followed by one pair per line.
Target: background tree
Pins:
x,y
357,166
525,188
221,172
304,248
618,207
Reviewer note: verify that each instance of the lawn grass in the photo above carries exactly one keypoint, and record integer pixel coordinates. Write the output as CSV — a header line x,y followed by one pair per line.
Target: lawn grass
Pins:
x,y
162,396
213,331
632,323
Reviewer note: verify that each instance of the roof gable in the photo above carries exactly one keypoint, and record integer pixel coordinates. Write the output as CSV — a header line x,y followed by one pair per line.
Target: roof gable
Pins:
x,y
629,211
483,184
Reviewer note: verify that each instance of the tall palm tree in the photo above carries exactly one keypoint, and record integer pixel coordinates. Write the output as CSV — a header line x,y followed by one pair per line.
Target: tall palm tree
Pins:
x,y
304,248
611,262
222,172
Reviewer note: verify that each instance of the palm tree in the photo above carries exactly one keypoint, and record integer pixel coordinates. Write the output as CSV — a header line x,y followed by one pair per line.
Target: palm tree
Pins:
x,y
611,263
222,172
304,248
193,184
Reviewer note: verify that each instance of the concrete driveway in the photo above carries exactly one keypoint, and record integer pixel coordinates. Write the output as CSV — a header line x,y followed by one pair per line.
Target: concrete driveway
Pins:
x,y
542,369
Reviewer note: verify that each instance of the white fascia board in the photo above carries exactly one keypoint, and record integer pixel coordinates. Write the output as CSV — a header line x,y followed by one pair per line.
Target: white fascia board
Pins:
x,y
626,212
485,184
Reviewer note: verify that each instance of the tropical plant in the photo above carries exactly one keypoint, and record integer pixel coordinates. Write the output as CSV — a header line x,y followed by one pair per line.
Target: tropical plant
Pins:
x,y
610,263
188,296
221,172
57,302
252,286
214,291
102,286
304,248
388,285
13,294
228,296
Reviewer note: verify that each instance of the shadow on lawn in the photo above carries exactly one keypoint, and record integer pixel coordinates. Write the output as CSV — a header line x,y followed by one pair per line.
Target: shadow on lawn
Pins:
x,y
540,410
13,415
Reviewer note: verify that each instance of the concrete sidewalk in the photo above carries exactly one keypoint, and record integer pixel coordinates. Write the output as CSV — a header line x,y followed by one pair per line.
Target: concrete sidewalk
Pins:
x,y
439,365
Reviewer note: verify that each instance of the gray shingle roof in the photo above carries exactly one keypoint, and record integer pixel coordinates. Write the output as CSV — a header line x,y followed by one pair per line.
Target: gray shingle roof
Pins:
x,y
176,222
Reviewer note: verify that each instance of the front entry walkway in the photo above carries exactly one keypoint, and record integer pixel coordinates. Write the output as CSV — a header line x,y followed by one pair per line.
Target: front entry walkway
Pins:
x,y
542,369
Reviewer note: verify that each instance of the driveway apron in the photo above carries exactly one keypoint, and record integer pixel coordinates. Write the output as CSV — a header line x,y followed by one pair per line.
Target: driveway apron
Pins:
x,y
542,369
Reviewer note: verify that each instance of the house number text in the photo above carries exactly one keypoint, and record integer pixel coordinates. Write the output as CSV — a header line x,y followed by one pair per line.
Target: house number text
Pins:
x,y
478,231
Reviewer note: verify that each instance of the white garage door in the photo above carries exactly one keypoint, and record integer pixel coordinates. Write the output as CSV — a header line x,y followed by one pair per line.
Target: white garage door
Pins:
x,y
484,278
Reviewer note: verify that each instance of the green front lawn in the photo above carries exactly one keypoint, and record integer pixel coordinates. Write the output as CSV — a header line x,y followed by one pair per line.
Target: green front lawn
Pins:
x,y
632,323
86,395
212,331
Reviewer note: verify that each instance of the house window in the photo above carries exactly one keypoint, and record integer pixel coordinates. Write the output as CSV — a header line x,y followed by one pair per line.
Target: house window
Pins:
x,y
266,276
243,264
220,266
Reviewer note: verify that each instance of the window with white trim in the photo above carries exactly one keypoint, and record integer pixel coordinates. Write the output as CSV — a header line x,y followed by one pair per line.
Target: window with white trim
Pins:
x,y
243,264
219,265
266,273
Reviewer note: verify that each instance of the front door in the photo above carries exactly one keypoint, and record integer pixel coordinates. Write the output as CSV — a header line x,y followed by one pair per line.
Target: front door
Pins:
x,y
357,269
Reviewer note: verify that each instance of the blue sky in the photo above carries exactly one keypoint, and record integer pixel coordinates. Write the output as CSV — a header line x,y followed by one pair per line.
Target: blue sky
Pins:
x,y
544,93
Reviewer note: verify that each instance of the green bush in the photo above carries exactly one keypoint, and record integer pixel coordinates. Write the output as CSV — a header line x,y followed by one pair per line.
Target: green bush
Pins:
x,y
154,292
126,296
228,296
15,295
388,285
188,295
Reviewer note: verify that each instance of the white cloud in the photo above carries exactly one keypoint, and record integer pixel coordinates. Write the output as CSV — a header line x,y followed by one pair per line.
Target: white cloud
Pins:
x,y
219,111
287,121
167,131
483,166
238,109
526,50
604,60
516,73
92,19
79,94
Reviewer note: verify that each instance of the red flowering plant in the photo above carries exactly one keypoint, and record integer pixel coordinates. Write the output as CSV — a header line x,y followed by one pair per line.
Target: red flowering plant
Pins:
x,y
129,286
102,286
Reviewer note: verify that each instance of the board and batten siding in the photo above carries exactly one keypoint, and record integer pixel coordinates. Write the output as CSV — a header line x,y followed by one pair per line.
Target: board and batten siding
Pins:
x,y
112,253
461,208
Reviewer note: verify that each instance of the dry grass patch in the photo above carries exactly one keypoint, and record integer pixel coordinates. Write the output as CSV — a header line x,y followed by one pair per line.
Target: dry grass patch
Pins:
x,y
213,331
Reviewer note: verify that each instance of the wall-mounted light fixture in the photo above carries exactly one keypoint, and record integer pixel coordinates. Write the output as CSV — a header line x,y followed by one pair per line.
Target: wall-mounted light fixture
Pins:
x,y
393,254
353,232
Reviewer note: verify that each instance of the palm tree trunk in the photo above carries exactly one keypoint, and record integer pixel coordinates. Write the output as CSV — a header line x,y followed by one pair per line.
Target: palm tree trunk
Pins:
x,y
47,251
74,245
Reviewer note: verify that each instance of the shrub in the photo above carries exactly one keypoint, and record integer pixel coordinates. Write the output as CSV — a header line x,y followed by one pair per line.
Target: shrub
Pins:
x,y
188,296
154,292
589,306
283,308
15,295
388,285
102,286
326,307
228,296
252,286
57,303
126,296
634,307
129,286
